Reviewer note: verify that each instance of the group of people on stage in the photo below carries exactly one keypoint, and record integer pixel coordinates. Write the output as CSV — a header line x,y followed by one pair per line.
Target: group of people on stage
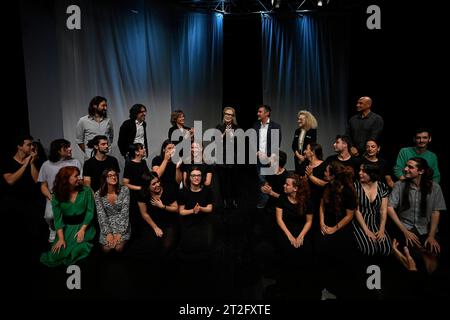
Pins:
x,y
334,209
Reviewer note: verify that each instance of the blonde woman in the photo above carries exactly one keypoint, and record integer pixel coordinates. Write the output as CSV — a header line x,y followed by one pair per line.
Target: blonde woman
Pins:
x,y
305,134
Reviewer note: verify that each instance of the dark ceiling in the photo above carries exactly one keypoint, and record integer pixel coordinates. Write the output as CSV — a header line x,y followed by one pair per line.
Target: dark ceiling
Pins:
x,y
257,6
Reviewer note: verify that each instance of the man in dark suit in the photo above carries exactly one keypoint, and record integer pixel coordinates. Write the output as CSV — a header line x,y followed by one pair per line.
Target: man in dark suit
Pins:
x,y
266,129
133,130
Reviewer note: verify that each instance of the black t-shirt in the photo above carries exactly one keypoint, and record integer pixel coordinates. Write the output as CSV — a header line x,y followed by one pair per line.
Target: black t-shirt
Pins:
x,y
135,171
293,220
189,199
352,162
25,185
383,165
94,168
168,179
276,181
317,191
160,216
348,201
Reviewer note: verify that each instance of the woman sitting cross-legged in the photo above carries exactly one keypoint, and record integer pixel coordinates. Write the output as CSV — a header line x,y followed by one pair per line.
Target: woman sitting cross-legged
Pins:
x,y
113,202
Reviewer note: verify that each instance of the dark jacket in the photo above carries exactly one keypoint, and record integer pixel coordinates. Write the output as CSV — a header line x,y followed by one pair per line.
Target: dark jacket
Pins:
x,y
127,133
310,137
272,125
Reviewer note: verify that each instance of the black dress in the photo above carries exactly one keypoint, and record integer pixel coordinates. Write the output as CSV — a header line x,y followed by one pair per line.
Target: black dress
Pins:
x,y
168,179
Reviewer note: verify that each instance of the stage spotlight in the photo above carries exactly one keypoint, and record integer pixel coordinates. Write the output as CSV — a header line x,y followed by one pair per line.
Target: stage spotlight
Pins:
x,y
321,3
276,4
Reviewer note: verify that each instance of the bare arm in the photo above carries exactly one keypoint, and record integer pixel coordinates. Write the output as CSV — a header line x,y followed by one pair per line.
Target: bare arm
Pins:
x,y
185,212
282,225
126,182
306,227
12,178
207,209
208,179
87,181
45,191
146,216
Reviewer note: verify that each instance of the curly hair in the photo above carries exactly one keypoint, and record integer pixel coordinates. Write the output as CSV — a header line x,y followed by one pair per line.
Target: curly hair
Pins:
x,y
343,178
303,192
61,186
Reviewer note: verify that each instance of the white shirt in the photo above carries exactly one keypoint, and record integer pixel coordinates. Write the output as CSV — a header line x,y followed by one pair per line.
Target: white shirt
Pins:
x,y
139,138
263,137
301,139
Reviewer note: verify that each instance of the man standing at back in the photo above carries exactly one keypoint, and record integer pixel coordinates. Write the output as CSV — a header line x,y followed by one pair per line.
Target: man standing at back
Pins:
x,y
93,124
363,126
265,128
133,130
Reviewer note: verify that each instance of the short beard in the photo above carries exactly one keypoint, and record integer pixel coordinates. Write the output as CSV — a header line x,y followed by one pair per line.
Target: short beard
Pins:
x,y
103,114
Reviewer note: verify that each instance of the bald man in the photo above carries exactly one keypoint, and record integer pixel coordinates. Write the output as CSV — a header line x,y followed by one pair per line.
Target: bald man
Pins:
x,y
363,126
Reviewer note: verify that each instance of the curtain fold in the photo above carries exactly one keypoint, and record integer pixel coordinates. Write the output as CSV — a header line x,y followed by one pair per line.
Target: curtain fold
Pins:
x,y
305,67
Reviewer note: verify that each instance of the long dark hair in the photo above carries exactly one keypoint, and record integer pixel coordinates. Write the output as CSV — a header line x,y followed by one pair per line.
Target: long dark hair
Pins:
x,y
426,184
132,150
302,194
61,186
343,178
95,102
55,147
148,177
104,184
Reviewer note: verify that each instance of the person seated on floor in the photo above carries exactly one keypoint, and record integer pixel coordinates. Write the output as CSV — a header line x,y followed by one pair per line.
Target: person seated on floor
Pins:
x,y
112,202
73,210
159,221
196,206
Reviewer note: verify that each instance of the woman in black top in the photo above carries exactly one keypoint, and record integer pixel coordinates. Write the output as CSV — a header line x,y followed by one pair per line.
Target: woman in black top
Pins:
x,y
337,245
304,135
169,172
228,169
294,218
371,156
159,218
134,178
177,121
197,161
196,206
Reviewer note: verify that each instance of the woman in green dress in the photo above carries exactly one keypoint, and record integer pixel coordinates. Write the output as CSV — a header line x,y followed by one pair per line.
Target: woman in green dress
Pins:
x,y
73,208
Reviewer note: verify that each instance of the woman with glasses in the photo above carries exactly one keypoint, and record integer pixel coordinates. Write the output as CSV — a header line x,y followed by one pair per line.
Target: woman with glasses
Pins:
x,y
196,206
228,169
112,202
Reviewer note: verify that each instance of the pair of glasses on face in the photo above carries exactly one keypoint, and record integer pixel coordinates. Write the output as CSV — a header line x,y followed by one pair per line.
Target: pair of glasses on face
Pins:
x,y
196,175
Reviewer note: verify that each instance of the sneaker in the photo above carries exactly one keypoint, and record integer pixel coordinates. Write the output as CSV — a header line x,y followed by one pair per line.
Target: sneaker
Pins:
x,y
52,236
327,295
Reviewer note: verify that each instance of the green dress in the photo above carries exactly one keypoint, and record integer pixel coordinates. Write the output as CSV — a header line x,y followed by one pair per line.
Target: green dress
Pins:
x,y
74,251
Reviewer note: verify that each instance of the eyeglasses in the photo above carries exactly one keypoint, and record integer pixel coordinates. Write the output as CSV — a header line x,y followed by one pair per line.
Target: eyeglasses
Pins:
x,y
196,175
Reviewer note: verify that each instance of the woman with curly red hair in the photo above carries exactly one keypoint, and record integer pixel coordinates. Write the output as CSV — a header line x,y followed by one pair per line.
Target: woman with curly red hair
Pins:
x,y
73,209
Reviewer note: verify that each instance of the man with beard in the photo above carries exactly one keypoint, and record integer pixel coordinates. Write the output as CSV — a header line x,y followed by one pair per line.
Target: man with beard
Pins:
x,y
94,167
421,139
93,124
